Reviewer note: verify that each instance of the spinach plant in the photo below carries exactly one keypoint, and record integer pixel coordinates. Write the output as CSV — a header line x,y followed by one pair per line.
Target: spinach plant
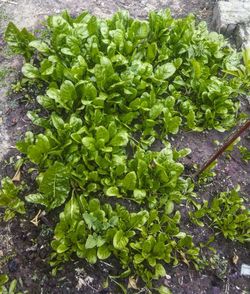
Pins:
x,y
227,214
109,89
9,199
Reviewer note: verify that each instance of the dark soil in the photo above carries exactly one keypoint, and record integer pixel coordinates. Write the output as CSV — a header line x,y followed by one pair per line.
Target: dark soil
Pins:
x,y
25,249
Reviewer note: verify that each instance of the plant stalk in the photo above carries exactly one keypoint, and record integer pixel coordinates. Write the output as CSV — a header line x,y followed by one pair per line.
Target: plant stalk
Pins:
x,y
228,142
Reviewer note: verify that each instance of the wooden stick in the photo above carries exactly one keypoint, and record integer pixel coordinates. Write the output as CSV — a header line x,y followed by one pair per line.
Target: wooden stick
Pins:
x,y
228,142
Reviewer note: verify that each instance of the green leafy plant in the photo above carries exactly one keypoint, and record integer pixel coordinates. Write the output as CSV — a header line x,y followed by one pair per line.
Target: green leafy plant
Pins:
x,y
245,152
9,199
110,89
12,287
227,215
208,174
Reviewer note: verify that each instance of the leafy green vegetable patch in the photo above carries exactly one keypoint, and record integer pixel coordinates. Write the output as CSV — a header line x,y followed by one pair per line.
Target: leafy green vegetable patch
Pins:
x,y
110,89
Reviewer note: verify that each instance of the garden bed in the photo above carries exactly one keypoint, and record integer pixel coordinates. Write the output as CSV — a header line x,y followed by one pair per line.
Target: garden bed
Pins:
x,y
25,248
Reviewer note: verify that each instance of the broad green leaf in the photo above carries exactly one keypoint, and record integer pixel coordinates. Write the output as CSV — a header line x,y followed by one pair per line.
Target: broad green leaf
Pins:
x,y
54,187
155,111
94,204
103,252
67,94
120,241
173,124
62,248
38,199
72,210
91,255
138,259
113,191
165,71
159,271
19,40
9,199
40,46
137,220
30,71
12,287
129,182
102,134
139,195
91,242
120,139
89,143
163,290
37,152
169,207
57,121
3,279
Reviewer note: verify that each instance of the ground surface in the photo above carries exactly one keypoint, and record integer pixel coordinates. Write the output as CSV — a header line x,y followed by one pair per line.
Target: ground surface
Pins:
x,y
24,248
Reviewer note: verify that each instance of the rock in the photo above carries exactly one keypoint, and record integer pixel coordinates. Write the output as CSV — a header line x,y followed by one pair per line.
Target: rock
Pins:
x,y
245,270
242,35
227,15
13,266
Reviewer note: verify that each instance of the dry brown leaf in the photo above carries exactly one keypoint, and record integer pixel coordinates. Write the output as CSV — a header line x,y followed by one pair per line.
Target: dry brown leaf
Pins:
x,y
132,283
17,176
35,220
235,258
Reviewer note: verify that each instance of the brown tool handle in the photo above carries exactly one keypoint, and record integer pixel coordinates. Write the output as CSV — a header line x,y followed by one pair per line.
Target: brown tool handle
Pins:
x,y
228,142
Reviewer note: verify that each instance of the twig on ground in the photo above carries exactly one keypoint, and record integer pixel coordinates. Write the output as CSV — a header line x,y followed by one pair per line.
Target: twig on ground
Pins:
x,y
228,142
9,2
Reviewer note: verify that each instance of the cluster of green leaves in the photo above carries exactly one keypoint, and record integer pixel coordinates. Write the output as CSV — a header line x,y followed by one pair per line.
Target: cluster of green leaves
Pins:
x,y
242,71
245,152
12,287
140,240
226,214
111,88
9,199
160,72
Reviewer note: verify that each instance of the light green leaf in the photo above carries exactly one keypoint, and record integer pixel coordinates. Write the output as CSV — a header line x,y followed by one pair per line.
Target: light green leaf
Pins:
x,y
91,255
62,248
3,279
120,139
129,182
159,271
89,143
169,207
139,195
102,134
67,94
156,110
30,71
38,199
9,199
37,152
165,71
103,252
91,242
40,46
12,287
138,259
120,240
54,187
94,204
113,191
163,290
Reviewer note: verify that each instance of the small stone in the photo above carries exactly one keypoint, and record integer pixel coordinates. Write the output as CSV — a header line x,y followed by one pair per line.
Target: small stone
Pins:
x,y
245,270
12,266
